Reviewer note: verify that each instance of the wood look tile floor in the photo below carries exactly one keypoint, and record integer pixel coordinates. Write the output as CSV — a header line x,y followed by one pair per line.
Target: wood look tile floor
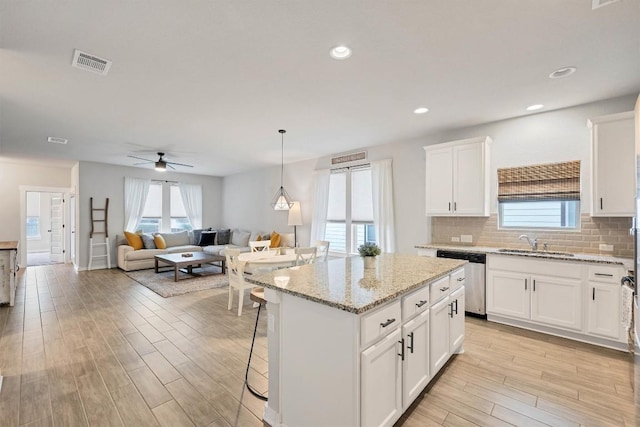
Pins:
x,y
96,348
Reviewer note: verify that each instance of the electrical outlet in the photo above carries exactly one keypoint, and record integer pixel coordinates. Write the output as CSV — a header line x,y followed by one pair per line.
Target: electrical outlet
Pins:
x,y
606,248
455,239
466,238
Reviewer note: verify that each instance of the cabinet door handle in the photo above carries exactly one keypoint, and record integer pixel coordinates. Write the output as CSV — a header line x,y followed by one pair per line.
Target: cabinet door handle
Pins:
x,y
534,285
449,206
603,274
593,294
387,323
600,203
525,284
410,346
401,354
460,279
455,206
421,303
451,312
456,301
444,288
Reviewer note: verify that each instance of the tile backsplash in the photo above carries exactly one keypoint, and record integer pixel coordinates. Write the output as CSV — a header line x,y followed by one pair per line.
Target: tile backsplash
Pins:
x,y
593,232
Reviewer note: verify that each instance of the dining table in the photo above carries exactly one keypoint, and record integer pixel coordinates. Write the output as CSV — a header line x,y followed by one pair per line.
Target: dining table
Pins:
x,y
272,259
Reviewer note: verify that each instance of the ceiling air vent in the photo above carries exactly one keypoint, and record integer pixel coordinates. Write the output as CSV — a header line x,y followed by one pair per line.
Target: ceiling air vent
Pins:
x,y
56,140
362,155
596,4
92,63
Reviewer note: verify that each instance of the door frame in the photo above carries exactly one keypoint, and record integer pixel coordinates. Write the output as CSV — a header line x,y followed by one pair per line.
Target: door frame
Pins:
x,y
22,254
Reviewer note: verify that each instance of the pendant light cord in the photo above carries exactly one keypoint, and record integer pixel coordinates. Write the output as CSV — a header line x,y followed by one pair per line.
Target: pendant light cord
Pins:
x,y
282,132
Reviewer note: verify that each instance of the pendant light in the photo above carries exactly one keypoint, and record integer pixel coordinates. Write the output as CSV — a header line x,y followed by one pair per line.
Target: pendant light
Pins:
x,y
282,200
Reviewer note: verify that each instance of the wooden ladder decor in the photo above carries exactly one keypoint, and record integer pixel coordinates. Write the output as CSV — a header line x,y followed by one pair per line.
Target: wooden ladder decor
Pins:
x,y
105,231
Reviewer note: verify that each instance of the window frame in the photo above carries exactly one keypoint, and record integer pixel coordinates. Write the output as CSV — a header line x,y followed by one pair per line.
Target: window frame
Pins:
x,y
577,218
165,220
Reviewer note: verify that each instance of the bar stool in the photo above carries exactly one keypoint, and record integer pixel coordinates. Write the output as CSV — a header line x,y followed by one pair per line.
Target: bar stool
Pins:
x,y
257,296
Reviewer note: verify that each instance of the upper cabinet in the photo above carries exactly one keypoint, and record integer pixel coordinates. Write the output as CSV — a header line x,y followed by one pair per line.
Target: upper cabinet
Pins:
x,y
457,179
613,165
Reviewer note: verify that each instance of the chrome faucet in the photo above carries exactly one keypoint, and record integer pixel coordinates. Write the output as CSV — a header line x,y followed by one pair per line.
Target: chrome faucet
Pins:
x,y
533,243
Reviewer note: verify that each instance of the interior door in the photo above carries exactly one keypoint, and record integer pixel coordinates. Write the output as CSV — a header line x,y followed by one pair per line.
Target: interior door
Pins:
x,y
57,228
72,221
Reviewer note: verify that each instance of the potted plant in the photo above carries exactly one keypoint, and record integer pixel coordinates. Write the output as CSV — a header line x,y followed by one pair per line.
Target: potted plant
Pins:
x,y
369,252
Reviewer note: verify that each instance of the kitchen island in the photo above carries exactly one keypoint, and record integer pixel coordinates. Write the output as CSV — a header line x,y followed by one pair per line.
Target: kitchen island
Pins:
x,y
350,346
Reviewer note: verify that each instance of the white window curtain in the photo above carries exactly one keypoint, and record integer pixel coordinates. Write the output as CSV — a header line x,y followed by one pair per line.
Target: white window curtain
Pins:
x,y
136,191
320,204
192,201
383,220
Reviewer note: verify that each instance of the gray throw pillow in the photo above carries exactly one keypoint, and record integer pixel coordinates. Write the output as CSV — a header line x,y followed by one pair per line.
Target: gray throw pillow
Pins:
x,y
240,238
224,236
196,234
147,240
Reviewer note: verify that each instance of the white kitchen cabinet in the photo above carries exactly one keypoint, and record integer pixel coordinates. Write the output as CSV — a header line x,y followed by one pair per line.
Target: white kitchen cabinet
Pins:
x,y
613,165
440,349
8,271
508,294
457,178
604,302
556,301
381,370
456,323
415,368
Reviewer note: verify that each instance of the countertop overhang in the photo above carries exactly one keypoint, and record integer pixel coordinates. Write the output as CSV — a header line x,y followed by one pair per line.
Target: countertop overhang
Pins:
x,y
346,285
601,259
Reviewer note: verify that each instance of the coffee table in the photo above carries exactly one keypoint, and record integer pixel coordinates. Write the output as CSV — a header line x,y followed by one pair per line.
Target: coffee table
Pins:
x,y
186,264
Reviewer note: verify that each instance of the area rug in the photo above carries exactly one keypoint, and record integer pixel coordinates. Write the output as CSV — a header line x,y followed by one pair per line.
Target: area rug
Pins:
x,y
162,283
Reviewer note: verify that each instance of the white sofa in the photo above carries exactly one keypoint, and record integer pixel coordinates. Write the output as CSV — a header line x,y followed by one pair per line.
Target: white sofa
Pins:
x,y
130,259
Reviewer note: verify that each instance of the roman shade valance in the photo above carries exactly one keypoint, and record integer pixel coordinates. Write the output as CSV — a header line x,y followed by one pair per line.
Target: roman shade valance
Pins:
x,y
549,181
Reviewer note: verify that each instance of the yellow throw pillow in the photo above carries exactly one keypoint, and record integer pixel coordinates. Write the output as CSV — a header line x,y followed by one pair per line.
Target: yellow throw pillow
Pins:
x,y
134,240
259,238
275,240
159,241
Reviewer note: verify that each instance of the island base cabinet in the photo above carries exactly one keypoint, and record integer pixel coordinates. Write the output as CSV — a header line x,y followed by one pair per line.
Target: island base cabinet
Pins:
x,y
439,351
456,325
415,371
381,368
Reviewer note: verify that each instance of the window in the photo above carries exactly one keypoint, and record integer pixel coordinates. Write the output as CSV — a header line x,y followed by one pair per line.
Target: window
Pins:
x,y
540,196
350,210
33,227
33,215
157,213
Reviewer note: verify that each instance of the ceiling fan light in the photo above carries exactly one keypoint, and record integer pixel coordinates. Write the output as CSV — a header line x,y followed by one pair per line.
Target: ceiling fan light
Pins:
x,y
161,166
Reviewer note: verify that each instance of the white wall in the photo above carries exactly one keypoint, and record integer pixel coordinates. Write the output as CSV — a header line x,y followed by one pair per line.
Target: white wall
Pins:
x,y
535,138
99,180
15,174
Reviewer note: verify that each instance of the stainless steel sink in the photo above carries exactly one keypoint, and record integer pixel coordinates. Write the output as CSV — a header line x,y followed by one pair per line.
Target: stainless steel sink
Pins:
x,y
529,251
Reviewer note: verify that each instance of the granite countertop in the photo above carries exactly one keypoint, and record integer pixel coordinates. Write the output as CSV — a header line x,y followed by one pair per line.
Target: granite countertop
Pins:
x,y
7,246
601,259
346,285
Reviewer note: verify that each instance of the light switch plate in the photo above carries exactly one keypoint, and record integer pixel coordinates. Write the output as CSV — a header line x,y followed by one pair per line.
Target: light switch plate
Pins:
x,y
606,248
466,238
455,239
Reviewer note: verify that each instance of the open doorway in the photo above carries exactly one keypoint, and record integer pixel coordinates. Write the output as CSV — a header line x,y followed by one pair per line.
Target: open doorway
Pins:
x,y
44,227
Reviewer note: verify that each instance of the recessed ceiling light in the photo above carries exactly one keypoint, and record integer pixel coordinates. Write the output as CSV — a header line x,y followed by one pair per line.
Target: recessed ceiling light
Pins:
x,y
56,140
534,107
421,110
562,72
340,52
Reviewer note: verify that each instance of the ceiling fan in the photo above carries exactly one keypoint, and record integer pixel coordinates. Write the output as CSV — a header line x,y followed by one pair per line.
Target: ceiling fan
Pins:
x,y
161,164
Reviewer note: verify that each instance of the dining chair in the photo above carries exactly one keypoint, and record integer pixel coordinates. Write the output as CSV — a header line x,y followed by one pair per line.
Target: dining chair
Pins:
x,y
260,245
235,272
323,250
306,255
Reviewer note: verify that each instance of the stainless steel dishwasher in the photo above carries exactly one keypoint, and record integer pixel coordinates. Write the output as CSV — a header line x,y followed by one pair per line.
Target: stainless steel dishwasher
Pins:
x,y
475,288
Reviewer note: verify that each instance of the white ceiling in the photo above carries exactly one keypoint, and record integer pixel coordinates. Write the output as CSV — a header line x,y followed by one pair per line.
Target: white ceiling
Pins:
x,y
211,82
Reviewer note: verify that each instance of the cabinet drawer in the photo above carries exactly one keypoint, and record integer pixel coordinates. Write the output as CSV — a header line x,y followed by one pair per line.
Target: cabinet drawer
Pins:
x,y
380,322
440,288
605,274
457,279
416,302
